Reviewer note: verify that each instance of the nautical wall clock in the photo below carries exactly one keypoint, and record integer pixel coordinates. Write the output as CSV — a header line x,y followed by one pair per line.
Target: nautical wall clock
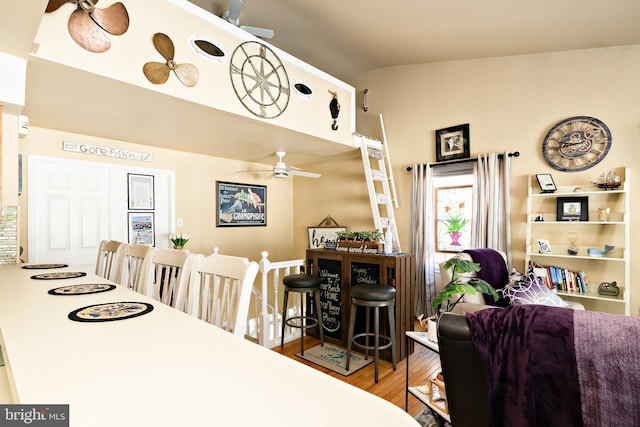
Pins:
x,y
259,80
576,144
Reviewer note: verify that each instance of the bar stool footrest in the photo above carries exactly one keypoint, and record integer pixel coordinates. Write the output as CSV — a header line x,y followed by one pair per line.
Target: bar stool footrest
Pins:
x,y
372,336
306,322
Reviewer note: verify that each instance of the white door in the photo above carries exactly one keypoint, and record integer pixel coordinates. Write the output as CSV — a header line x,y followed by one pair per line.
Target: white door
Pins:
x,y
73,205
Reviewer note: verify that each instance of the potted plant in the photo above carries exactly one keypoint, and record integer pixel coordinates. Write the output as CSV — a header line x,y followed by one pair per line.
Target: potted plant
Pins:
x,y
455,222
343,235
456,289
179,240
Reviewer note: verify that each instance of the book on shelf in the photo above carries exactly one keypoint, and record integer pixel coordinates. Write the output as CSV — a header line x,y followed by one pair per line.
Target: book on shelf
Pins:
x,y
560,278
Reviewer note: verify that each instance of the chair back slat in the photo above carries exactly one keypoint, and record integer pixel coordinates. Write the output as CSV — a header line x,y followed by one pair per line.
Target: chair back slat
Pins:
x,y
135,265
106,264
219,291
170,269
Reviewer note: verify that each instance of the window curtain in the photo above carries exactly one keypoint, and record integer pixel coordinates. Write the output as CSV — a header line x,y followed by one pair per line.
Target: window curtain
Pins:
x,y
492,213
422,245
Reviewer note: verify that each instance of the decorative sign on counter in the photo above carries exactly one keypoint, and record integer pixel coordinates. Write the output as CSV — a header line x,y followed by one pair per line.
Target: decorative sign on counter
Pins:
x,y
359,247
363,273
330,272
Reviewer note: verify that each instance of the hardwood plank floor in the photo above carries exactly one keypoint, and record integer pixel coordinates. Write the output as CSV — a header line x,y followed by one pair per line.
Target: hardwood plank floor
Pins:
x,y
423,365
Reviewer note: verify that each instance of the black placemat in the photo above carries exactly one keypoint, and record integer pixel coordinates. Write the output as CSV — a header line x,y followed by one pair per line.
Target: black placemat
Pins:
x,y
61,275
43,266
83,289
110,311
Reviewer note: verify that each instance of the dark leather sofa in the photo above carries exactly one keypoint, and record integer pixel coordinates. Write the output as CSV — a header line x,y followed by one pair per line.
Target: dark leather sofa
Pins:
x,y
464,375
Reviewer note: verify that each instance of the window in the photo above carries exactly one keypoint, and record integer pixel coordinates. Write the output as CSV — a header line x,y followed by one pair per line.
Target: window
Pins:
x,y
453,187
453,218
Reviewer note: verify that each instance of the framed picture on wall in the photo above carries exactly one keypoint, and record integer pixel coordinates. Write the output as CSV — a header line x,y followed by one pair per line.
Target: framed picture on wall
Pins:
x,y
140,189
142,228
241,204
453,143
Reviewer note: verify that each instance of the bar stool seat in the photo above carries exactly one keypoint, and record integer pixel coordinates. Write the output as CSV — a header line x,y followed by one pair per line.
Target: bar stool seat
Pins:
x,y
373,296
302,284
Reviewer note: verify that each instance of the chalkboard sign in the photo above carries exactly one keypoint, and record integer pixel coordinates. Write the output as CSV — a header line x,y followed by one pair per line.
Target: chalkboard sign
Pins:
x,y
330,273
363,273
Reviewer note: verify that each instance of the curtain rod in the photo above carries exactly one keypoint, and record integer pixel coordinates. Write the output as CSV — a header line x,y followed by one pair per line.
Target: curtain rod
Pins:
x,y
451,162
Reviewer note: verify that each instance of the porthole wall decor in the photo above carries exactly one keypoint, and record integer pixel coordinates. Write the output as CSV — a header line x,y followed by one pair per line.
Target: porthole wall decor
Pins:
x,y
259,79
207,48
301,89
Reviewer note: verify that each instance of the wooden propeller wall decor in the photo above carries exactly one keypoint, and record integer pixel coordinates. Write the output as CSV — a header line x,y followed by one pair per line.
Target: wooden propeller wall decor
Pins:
x,y
87,23
158,72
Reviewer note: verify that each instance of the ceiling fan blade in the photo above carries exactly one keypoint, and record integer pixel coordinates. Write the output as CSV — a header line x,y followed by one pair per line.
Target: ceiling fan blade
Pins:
x,y
54,5
257,171
86,33
235,6
304,174
156,72
263,33
113,19
187,74
164,45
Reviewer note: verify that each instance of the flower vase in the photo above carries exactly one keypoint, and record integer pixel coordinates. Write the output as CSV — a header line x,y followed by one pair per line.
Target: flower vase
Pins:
x,y
178,247
455,237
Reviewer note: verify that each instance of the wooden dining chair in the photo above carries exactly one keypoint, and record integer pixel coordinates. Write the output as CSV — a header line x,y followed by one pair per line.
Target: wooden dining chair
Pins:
x,y
134,263
170,269
106,264
219,291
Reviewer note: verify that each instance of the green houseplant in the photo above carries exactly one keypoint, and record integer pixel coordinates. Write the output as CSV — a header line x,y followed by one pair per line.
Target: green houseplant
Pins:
x,y
454,291
455,221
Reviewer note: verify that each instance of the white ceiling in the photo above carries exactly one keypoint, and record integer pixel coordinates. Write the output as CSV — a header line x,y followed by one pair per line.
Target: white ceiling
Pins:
x,y
349,37
340,38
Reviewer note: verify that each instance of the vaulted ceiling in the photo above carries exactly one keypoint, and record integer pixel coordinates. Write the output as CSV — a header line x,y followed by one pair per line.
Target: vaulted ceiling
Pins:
x,y
340,38
349,37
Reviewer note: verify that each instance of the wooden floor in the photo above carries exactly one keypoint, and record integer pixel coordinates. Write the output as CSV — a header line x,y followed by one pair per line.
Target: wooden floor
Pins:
x,y
423,365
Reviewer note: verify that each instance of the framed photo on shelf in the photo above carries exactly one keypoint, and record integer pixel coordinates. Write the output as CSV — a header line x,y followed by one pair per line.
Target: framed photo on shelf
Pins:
x,y
452,143
142,228
545,181
572,208
241,204
140,189
543,246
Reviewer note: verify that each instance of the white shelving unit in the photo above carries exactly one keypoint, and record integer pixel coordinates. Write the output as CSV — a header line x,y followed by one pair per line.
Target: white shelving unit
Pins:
x,y
437,409
590,234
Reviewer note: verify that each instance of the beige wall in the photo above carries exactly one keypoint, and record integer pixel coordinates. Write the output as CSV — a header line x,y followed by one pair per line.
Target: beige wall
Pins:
x,y
510,104
195,177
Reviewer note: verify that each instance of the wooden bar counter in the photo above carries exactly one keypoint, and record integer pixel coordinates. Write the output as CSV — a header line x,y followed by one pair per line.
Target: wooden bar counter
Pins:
x,y
341,270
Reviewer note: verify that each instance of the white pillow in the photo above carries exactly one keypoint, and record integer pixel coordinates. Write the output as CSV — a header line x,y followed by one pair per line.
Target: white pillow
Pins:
x,y
529,289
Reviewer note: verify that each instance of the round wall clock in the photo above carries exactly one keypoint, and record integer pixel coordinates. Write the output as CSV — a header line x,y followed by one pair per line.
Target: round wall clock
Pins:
x,y
576,144
259,80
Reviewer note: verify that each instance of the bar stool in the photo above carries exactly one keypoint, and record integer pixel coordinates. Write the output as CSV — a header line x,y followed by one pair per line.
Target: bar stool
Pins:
x,y
376,296
302,284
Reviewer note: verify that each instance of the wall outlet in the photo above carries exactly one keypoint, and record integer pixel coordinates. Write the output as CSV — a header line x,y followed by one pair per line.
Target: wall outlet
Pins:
x,y
179,222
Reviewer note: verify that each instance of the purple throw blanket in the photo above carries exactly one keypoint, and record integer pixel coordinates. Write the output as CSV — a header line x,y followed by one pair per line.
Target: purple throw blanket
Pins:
x,y
553,366
493,270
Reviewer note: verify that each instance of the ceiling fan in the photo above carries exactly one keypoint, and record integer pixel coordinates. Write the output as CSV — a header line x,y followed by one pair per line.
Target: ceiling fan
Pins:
x,y
233,16
281,170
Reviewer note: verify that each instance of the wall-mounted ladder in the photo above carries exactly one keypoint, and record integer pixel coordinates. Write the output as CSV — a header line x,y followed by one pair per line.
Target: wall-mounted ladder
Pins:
x,y
380,184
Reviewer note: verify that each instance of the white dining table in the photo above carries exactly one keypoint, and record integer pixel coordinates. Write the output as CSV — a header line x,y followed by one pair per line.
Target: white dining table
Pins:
x,y
164,368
